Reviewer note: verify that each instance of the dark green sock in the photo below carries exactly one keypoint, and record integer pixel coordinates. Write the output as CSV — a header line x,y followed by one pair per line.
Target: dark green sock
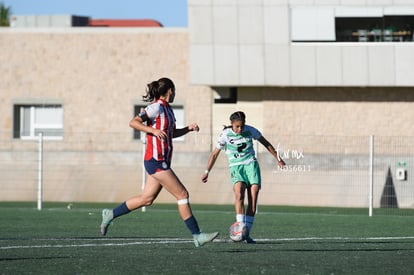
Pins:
x,y
121,209
192,225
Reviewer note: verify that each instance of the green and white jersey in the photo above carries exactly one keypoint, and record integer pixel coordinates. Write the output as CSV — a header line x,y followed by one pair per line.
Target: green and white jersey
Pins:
x,y
239,147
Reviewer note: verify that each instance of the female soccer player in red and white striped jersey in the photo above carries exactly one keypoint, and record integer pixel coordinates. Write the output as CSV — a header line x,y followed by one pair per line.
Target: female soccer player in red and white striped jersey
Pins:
x,y
158,121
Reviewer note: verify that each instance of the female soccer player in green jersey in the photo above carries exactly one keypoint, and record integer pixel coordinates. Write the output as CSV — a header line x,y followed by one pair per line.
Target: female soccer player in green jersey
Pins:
x,y
237,141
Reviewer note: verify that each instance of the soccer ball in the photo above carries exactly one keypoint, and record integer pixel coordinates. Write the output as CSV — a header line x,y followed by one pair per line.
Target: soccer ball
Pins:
x,y
239,231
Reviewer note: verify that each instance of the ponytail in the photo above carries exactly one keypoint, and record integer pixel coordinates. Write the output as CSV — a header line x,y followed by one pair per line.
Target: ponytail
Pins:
x,y
158,88
152,92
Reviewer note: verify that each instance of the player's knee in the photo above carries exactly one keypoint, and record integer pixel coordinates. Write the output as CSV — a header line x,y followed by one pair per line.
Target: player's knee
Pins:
x,y
183,194
183,201
239,196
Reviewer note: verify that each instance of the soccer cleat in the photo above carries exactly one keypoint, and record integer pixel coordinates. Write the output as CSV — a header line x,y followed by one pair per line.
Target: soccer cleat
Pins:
x,y
202,238
250,240
107,217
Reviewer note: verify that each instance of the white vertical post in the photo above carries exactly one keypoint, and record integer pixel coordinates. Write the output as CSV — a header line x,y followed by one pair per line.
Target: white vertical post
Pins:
x,y
371,175
40,173
144,174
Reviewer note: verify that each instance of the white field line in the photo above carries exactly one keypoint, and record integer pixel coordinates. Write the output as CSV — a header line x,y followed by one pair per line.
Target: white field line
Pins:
x,y
341,239
165,241
150,241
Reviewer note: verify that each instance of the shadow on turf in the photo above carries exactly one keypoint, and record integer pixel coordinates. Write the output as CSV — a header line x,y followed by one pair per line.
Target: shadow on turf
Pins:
x,y
347,249
34,258
356,249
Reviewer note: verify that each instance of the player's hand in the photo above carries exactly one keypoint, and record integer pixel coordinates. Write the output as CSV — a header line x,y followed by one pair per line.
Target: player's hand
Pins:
x,y
193,127
204,178
159,134
281,163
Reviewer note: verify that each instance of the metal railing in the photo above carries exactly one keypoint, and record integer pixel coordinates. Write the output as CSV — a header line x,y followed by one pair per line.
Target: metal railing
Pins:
x,y
324,171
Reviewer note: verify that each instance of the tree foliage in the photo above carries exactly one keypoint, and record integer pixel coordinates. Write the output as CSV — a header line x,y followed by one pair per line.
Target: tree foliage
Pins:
x,y
4,15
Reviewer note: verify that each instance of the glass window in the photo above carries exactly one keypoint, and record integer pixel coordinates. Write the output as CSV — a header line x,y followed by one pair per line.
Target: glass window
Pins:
x,y
352,24
374,29
31,120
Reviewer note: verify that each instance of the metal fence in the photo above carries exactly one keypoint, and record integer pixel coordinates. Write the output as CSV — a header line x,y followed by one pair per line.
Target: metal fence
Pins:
x,y
325,171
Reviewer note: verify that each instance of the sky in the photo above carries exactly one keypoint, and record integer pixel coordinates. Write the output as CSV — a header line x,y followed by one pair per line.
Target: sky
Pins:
x,y
170,13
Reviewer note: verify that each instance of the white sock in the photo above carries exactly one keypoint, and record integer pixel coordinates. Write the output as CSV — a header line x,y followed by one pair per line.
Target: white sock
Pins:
x,y
240,218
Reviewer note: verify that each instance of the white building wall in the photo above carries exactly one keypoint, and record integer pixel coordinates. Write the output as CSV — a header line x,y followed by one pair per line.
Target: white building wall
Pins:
x,y
250,43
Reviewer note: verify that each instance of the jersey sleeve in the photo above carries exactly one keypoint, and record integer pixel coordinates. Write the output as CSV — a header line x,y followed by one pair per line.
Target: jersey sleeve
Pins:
x,y
143,115
256,134
152,111
221,142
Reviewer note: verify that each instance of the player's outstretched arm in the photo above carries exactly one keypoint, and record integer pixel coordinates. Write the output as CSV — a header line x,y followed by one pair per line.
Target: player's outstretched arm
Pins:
x,y
272,150
186,130
211,160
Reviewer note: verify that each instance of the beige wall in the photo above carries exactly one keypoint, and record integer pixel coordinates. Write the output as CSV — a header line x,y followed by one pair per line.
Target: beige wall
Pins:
x,y
99,74
350,111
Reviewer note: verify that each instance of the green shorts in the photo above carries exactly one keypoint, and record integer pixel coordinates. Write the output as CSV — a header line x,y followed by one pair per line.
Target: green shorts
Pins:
x,y
248,173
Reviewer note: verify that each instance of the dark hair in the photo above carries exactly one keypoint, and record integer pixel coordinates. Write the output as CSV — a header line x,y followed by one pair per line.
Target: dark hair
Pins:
x,y
239,115
158,88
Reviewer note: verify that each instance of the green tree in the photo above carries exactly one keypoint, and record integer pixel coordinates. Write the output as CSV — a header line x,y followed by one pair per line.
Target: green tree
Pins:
x,y
4,15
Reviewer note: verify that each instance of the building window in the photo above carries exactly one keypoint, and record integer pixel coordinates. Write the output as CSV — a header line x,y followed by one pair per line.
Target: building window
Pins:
x,y
225,95
375,29
352,24
31,120
179,120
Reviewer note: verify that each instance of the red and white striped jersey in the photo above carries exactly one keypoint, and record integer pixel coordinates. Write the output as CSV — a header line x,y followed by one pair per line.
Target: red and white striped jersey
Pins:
x,y
160,116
